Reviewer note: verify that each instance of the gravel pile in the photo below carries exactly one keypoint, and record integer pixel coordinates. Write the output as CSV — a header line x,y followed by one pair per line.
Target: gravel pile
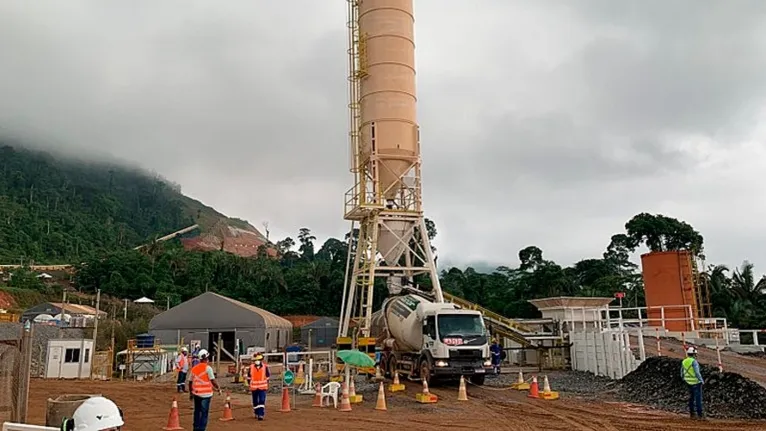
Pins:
x,y
657,382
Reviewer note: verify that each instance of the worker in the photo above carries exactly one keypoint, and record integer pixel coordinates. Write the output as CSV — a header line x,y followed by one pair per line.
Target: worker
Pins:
x,y
201,385
182,368
95,414
690,372
259,385
497,352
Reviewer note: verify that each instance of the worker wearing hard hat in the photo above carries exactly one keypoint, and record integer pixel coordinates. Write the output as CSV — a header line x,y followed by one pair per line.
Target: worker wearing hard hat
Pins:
x,y
690,372
259,385
95,414
182,368
201,387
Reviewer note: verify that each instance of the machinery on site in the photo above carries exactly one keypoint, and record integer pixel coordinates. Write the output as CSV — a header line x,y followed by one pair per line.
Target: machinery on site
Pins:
x,y
425,339
389,236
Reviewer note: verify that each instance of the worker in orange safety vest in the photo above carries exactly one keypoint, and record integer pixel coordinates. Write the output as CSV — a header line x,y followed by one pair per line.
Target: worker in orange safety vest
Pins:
x,y
201,387
182,368
259,385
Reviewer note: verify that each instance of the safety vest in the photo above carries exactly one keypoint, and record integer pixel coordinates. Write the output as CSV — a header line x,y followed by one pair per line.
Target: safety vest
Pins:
x,y
181,364
200,380
690,377
258,379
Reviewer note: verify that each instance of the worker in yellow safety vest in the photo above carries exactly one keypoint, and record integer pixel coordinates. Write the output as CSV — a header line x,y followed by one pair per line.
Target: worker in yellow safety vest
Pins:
x,y
201,387
259,385
690,372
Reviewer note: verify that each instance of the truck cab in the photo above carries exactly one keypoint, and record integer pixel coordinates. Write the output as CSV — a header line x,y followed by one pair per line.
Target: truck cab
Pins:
x,y
455,343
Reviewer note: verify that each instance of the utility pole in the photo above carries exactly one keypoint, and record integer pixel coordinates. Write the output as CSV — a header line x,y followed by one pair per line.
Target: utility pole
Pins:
x,y
22,400
168,306
95,324
125,315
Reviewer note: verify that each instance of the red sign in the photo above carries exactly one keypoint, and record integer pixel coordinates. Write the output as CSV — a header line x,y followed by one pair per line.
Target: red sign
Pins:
x,y
453,341
619,295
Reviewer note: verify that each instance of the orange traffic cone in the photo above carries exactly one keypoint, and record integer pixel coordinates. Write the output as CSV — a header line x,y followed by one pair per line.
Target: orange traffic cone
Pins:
x,y
174,422
462,395
352,389
345,403
317,396
381,404
285,400
227,413
534,390
426,397
301,375
548,394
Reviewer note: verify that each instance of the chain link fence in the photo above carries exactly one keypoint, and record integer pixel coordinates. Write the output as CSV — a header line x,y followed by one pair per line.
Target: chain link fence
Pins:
x,y
10,384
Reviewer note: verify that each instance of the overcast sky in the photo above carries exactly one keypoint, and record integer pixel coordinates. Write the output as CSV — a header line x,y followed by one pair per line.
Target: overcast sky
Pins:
x,y
542,122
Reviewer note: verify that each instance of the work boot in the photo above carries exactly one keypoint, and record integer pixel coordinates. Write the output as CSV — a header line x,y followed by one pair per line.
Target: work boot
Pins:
x,y
692,416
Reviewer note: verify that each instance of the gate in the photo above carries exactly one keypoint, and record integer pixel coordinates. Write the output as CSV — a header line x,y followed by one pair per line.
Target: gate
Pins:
x,y
101,365
10,372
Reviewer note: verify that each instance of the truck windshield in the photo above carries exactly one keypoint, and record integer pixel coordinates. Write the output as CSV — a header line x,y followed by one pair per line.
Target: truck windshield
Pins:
x,y
464,325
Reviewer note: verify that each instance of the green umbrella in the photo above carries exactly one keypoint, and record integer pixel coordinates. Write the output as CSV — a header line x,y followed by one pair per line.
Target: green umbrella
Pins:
x,y
355,358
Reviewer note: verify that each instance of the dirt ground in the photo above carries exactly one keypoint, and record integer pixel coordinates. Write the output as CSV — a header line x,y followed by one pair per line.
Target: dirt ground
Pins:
x,y
748,366
146,407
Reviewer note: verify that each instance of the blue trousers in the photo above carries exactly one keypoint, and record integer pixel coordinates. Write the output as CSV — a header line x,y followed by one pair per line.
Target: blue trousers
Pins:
x,y
201,410
181,382
695,399
259,403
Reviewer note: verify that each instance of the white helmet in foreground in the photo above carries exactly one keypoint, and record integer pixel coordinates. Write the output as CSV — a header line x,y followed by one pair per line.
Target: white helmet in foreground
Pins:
x,y
203,354
95,414
691,351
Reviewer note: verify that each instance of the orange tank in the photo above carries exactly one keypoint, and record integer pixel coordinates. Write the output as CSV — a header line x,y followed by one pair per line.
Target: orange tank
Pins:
x,y
388,100
669,282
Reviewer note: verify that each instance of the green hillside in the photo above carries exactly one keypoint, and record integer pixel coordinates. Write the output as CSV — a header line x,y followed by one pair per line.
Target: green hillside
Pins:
x,y
55,210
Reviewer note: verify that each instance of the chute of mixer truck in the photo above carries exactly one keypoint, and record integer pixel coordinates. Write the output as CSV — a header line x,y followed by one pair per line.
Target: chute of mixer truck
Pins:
x,y
421,339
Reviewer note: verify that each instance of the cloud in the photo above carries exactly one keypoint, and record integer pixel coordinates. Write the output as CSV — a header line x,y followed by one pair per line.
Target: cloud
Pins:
x,y
546,123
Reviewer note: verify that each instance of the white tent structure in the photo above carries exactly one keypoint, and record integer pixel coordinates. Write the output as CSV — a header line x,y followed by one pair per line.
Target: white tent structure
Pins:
x,y
143,300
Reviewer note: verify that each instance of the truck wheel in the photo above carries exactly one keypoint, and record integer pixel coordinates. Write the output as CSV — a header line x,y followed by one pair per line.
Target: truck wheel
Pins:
x,y
391,367
478,379
425,371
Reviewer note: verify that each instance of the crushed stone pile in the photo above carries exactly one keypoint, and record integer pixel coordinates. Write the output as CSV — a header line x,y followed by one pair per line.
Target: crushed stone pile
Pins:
x,y
657,382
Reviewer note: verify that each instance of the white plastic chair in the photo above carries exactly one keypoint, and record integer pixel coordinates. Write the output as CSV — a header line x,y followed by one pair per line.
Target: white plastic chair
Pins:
x,y
330,390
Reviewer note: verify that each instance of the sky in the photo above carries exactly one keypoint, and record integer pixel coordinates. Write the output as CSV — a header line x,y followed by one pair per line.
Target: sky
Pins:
x,y
547,123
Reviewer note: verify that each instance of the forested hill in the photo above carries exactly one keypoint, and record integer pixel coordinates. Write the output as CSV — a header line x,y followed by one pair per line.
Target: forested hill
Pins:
x,y
58,210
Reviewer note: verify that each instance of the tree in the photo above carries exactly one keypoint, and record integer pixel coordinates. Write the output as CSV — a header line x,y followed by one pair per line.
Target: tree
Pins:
x,y
661,233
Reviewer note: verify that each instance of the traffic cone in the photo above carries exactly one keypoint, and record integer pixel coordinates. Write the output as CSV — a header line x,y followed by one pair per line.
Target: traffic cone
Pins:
x,y
285,400
227,413
426,397
345,404
300,377
396,386
534,389
174,422
520,384
547,393
353,397
462,395
317,396
381,404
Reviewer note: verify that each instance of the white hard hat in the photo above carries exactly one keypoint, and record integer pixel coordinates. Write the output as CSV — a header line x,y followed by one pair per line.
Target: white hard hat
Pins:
x,y
97,414
202,353
184,349
691,351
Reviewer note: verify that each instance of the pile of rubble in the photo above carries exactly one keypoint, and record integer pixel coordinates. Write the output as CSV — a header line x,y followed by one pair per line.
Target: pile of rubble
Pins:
x,y
657,382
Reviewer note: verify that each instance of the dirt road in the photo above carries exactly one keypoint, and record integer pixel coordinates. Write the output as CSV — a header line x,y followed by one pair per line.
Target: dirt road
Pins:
x,y
146,407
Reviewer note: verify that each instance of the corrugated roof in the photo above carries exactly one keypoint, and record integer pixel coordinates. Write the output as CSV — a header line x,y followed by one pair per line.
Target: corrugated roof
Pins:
x,y
77,308
269,318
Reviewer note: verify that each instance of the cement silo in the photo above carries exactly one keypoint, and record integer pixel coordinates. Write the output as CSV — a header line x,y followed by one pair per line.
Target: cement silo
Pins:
x,y
385,202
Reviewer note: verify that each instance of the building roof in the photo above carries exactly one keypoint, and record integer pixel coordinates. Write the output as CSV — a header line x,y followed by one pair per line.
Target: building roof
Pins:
x,y
77,308
269,318
301,320
210,311
323,322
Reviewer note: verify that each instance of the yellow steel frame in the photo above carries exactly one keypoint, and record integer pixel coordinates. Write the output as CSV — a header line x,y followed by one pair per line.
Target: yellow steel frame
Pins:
x,y
366,204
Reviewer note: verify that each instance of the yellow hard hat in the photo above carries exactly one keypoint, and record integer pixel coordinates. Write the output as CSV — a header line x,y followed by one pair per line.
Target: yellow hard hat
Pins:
x,y
258,357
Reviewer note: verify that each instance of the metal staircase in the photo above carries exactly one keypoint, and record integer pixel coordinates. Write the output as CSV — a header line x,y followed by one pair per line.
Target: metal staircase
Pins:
x,y
502,325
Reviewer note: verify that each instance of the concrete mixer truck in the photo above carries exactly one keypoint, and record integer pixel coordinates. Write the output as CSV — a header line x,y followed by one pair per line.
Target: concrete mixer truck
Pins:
x,y
427,340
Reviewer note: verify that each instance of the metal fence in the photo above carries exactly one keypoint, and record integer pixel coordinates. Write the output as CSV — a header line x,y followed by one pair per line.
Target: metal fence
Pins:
x,y
10,370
